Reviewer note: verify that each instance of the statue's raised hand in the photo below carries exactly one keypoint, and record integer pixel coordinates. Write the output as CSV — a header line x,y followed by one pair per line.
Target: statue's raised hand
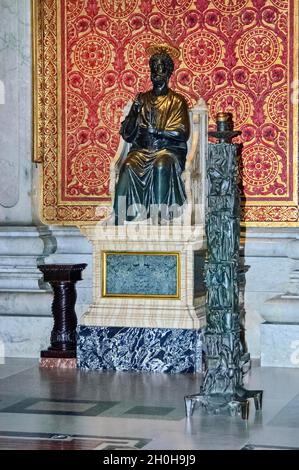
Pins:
x,y
137,105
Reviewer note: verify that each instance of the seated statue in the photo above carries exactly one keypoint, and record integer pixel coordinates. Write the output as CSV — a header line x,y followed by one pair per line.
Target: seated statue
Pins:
x,y
157,127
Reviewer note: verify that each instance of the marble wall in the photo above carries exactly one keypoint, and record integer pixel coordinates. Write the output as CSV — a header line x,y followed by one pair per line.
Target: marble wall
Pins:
x,y
25,301
271,257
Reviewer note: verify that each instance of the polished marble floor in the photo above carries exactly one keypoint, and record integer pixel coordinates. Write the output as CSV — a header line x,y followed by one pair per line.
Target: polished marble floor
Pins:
x,y
72,409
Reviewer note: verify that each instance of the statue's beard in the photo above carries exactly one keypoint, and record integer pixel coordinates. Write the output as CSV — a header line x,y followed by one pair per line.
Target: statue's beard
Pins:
x,y
159,82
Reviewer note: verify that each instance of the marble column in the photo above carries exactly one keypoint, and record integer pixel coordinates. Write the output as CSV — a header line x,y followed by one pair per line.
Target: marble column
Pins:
x,y
15,112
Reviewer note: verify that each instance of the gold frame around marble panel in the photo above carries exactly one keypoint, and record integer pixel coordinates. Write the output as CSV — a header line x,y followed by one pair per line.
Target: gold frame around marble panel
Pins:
x,y
104,255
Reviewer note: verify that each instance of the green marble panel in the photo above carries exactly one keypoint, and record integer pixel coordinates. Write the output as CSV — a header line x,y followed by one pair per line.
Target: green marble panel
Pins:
x,y
144,274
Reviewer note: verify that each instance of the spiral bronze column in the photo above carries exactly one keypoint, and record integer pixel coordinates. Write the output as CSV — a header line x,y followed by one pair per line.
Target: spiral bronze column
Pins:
x,y
63,278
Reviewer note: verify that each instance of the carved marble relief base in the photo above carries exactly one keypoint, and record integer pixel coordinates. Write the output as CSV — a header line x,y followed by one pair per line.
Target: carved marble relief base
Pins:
x,y
154,285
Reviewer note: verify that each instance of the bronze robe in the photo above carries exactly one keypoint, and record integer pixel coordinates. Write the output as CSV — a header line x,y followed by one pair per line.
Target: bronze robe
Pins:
x,y
151,173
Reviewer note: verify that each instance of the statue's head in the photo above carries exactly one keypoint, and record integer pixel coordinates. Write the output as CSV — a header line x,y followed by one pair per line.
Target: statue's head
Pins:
x,y
161,66
161,63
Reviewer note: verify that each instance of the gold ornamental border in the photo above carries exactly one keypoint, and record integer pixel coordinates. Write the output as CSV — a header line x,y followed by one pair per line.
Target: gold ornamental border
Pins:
x,y
175,296
37,18
45,103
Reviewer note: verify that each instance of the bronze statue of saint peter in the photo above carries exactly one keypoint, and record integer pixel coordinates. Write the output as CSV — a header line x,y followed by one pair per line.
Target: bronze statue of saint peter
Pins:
x,y
157,126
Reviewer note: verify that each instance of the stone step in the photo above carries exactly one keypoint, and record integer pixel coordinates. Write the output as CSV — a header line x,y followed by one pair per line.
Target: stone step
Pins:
x,y
24,336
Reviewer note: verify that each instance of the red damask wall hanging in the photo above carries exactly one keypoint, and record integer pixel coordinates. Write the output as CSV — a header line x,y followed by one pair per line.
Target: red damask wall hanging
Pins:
x,y
239,55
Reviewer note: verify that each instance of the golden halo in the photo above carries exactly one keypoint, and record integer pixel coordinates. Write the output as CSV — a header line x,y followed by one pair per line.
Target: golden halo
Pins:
x,y
163,48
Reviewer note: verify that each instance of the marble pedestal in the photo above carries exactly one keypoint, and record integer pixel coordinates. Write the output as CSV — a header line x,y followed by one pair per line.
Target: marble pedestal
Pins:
x,y
150,320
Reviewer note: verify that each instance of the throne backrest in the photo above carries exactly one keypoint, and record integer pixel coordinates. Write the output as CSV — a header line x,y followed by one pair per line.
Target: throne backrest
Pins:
x,y
194,175
195,169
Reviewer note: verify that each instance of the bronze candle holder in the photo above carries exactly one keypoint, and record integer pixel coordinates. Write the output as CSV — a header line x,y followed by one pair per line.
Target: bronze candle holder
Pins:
x,y
225,128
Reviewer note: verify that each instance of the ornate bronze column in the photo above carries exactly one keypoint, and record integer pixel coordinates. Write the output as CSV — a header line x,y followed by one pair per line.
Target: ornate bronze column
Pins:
x,y
222,388
63,278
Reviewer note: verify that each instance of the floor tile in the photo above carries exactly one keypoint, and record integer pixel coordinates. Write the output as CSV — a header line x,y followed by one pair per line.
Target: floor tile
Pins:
x,y
150,410
59,407
35,441
289,415
12,366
